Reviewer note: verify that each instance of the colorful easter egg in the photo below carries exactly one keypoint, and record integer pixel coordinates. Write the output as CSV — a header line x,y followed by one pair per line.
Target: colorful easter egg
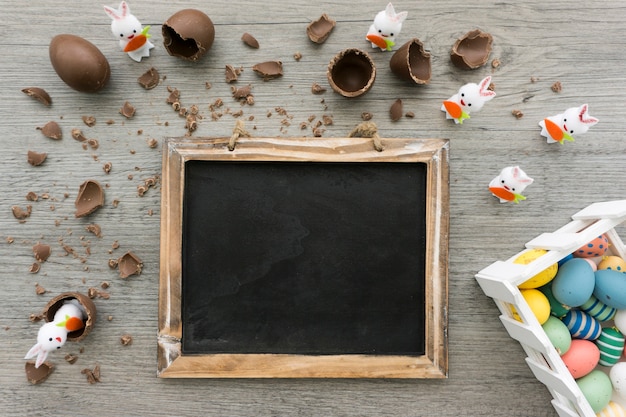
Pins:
x,y
612,262
574,282
557,308
613,409
620,321
581,325
618,379
542,277
596,247
598,310
611,345
610,288
581,358
538,303
558,333
597,389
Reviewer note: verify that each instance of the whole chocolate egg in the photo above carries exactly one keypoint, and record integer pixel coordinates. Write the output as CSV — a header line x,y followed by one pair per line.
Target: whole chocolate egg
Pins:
x,y
79,63
188,34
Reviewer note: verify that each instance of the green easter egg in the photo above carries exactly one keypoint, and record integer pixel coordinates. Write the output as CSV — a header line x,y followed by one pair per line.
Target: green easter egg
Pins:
x,y
557,309
558,333
597,389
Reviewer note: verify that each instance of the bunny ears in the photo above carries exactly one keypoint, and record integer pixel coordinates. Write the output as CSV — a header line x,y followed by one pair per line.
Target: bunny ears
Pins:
x,y
584,117
483,88
118,14
390,12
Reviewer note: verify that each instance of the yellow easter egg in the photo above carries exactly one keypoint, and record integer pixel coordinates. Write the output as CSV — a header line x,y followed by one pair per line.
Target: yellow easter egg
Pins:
x,y
541,278
612,262
613,409
538,303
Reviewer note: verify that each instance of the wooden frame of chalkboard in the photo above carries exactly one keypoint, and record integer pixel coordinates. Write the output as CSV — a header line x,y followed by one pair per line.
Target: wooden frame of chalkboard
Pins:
x,y
406,173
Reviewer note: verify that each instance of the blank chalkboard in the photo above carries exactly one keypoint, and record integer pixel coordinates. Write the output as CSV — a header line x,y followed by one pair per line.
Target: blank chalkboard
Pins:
x,y
305,258
282,259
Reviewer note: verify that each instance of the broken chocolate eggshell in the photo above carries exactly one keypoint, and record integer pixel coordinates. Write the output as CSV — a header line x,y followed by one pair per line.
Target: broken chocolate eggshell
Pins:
x,y
38,375
79,63
411,62
351,72
89,199
188,34
472,50
86,304
319,30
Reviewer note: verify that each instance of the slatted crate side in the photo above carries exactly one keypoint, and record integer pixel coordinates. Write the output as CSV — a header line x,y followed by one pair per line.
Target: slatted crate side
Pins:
x,y
500,281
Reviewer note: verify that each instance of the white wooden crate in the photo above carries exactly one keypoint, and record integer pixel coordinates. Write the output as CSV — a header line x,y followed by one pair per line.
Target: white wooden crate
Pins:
x,y
500,280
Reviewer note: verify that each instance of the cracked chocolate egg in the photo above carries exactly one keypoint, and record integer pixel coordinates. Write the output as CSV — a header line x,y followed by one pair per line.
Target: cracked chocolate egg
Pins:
x,y
188,34
351,72
85,304
472,50
411,62
79,63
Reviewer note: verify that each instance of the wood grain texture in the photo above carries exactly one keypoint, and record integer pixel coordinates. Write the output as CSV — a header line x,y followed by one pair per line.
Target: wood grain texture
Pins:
x,y
571,42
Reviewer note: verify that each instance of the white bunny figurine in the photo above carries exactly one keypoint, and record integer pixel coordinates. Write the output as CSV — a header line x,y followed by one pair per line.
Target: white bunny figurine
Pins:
x,y
508,186
559,128
52,335
127,28
471,97
387,25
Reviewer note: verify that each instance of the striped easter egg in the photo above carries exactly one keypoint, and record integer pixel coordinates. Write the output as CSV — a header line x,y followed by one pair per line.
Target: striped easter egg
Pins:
x,y
611,345
598,310
612,410
581,325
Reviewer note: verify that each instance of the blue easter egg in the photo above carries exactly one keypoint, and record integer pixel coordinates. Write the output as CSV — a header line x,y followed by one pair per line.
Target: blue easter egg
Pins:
x,y
581,325
574,282
611,288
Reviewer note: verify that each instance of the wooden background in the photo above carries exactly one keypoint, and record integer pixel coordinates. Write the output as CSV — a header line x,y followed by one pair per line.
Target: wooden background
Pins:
x,y
564,41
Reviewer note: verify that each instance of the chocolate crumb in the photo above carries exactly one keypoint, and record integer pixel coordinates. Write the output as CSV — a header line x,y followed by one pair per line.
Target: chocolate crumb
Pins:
x,y
41,252
149,79
129,264
366,116
38,375
36,158
557,87
93,376
109,318
127,110
77,134
93,143
71,358
34,268
174,96
20,213
38,94
95,229
230,74
491,87
126,340
39,290
112,263
104,285
517,113
153,143
52,130
89,120
395,111
107,167
409,114
327,120
297,56
495,63
534,79
317,89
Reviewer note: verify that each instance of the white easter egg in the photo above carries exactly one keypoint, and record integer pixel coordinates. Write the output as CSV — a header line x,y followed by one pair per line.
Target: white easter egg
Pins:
x,y
618,378
620,320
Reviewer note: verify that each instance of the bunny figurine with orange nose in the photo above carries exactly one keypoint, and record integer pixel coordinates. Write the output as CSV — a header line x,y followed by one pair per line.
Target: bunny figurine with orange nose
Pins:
x,y
127,28
53,335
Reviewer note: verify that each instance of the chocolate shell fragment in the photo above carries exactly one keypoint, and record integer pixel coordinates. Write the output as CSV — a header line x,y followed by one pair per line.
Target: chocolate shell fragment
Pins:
x,y
129,264
90,198
38,94
149,79
38,375
395,111
250,40
36,158
472,50
319,30
269,69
